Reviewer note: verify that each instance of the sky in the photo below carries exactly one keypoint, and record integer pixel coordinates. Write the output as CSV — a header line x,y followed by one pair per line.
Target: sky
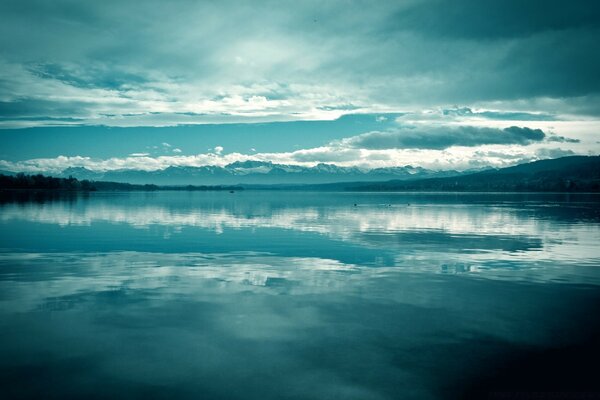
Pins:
x,y
440,84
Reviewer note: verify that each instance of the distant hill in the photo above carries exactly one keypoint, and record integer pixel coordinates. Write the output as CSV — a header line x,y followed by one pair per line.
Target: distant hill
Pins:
x,y
574,173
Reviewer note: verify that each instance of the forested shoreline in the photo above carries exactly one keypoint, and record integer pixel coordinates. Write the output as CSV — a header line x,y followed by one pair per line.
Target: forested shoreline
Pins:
x,y
41,182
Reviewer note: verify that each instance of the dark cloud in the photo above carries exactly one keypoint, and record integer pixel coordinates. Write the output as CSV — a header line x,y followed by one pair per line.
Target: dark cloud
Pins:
x,y
40,108
499,154
341,107
93,77
499,115
443,137
485,20
553,153
555,64
562,139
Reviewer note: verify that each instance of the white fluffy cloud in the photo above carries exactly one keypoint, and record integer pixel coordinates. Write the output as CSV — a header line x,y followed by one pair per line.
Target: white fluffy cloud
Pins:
x,y
458,158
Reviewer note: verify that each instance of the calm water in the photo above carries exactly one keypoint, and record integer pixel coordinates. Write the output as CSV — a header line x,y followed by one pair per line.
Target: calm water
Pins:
x,y
287,295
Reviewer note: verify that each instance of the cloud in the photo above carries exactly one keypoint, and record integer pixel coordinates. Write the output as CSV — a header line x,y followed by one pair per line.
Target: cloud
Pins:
x,y
505,19
553,153
498,115
442,137
271,61
137,162
326,154
562,139
455,158
89,63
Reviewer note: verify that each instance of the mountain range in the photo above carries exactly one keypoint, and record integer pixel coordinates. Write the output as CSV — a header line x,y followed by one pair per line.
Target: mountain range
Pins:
x,y
254,173
566,174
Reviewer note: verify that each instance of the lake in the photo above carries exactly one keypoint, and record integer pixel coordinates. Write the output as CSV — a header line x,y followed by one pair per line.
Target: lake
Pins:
x,y
298,295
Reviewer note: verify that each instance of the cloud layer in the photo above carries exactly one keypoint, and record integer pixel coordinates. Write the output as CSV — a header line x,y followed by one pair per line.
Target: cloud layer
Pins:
x,y
443,85
442,137
155,64
431,146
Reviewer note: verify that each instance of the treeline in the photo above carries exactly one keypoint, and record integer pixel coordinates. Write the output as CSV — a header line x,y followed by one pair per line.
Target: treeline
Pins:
x,y
41,182
118,186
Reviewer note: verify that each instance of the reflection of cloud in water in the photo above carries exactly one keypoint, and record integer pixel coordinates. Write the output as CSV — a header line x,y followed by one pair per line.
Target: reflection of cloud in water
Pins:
x,y
64,274
335,220
464,228
216,322
50,280
319,325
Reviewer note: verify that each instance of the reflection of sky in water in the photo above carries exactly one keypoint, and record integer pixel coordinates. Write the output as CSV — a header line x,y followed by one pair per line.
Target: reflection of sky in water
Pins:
x,y
288,295
403,230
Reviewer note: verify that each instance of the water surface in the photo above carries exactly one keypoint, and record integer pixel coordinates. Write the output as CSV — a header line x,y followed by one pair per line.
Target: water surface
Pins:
x,y
291,295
